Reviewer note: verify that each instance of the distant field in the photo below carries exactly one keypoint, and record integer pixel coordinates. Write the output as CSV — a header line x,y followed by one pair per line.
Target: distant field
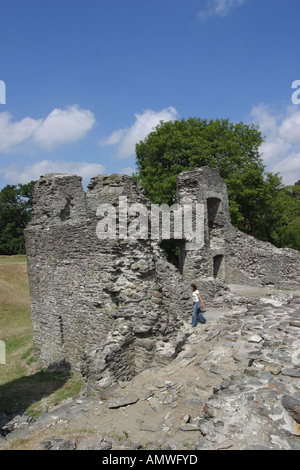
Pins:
x,y
15,320
24,384
13,259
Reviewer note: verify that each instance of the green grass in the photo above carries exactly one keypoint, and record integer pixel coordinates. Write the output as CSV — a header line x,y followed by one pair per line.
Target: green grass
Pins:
x,y
13,259
24,384
15,317
52,387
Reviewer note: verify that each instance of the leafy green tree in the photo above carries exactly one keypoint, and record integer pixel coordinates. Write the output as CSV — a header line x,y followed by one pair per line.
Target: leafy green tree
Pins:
x,y
178,146
15,213
288,234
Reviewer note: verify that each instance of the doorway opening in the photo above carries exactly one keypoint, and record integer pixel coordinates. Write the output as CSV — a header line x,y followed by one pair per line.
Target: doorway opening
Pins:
x,y
219,272
213,207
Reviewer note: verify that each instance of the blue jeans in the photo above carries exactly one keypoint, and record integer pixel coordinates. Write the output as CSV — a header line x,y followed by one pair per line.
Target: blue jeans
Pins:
x,y
197,314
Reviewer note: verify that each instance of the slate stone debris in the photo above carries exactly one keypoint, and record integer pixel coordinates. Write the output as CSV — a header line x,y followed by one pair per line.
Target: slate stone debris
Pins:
x,y
293,406
122,401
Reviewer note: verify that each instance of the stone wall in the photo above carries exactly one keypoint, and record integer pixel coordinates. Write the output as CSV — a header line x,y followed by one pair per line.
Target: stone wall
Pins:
x,y
229,256
109,308
256,263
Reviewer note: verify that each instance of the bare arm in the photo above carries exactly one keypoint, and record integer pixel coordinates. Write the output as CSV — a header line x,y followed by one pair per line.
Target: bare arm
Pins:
x,y
201,300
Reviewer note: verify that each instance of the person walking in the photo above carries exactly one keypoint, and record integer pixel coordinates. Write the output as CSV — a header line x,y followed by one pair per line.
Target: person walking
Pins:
x,y
196,306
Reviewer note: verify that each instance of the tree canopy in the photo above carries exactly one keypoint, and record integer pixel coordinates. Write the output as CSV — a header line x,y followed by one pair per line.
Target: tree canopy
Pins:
x,y
288,235
15,213
178,146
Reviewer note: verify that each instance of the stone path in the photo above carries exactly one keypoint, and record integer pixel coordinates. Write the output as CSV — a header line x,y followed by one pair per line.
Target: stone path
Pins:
x,y
235,385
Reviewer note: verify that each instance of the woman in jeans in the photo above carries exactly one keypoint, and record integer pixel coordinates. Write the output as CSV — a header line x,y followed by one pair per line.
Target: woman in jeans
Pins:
x,y
196,306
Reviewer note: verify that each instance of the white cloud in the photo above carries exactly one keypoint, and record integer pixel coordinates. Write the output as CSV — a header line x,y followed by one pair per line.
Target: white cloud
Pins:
x,y
16,175
114,138
290,168
12,134
58,128
267,119
273,149
63,126
281,149
128,171
219,8
127,138
290,128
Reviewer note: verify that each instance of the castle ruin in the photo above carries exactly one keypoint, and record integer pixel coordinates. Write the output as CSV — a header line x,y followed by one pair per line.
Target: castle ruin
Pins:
x,y
111,308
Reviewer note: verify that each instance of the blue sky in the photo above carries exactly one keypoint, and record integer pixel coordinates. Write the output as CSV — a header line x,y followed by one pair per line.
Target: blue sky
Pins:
x,y
84,80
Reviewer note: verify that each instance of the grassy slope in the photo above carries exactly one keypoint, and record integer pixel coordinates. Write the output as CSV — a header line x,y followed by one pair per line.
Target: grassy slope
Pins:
x,y
24,385
15,321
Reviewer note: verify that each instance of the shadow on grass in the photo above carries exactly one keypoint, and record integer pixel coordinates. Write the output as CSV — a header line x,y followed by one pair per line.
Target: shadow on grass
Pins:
x,y
19,395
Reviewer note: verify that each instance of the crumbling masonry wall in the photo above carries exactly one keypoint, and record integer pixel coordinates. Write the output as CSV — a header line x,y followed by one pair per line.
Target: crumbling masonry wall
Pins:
x,y
112,308
109,308
228,255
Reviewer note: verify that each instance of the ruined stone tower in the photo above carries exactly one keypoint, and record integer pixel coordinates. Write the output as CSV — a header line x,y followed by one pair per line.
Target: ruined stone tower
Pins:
x,y
110,308
206,265
229,256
